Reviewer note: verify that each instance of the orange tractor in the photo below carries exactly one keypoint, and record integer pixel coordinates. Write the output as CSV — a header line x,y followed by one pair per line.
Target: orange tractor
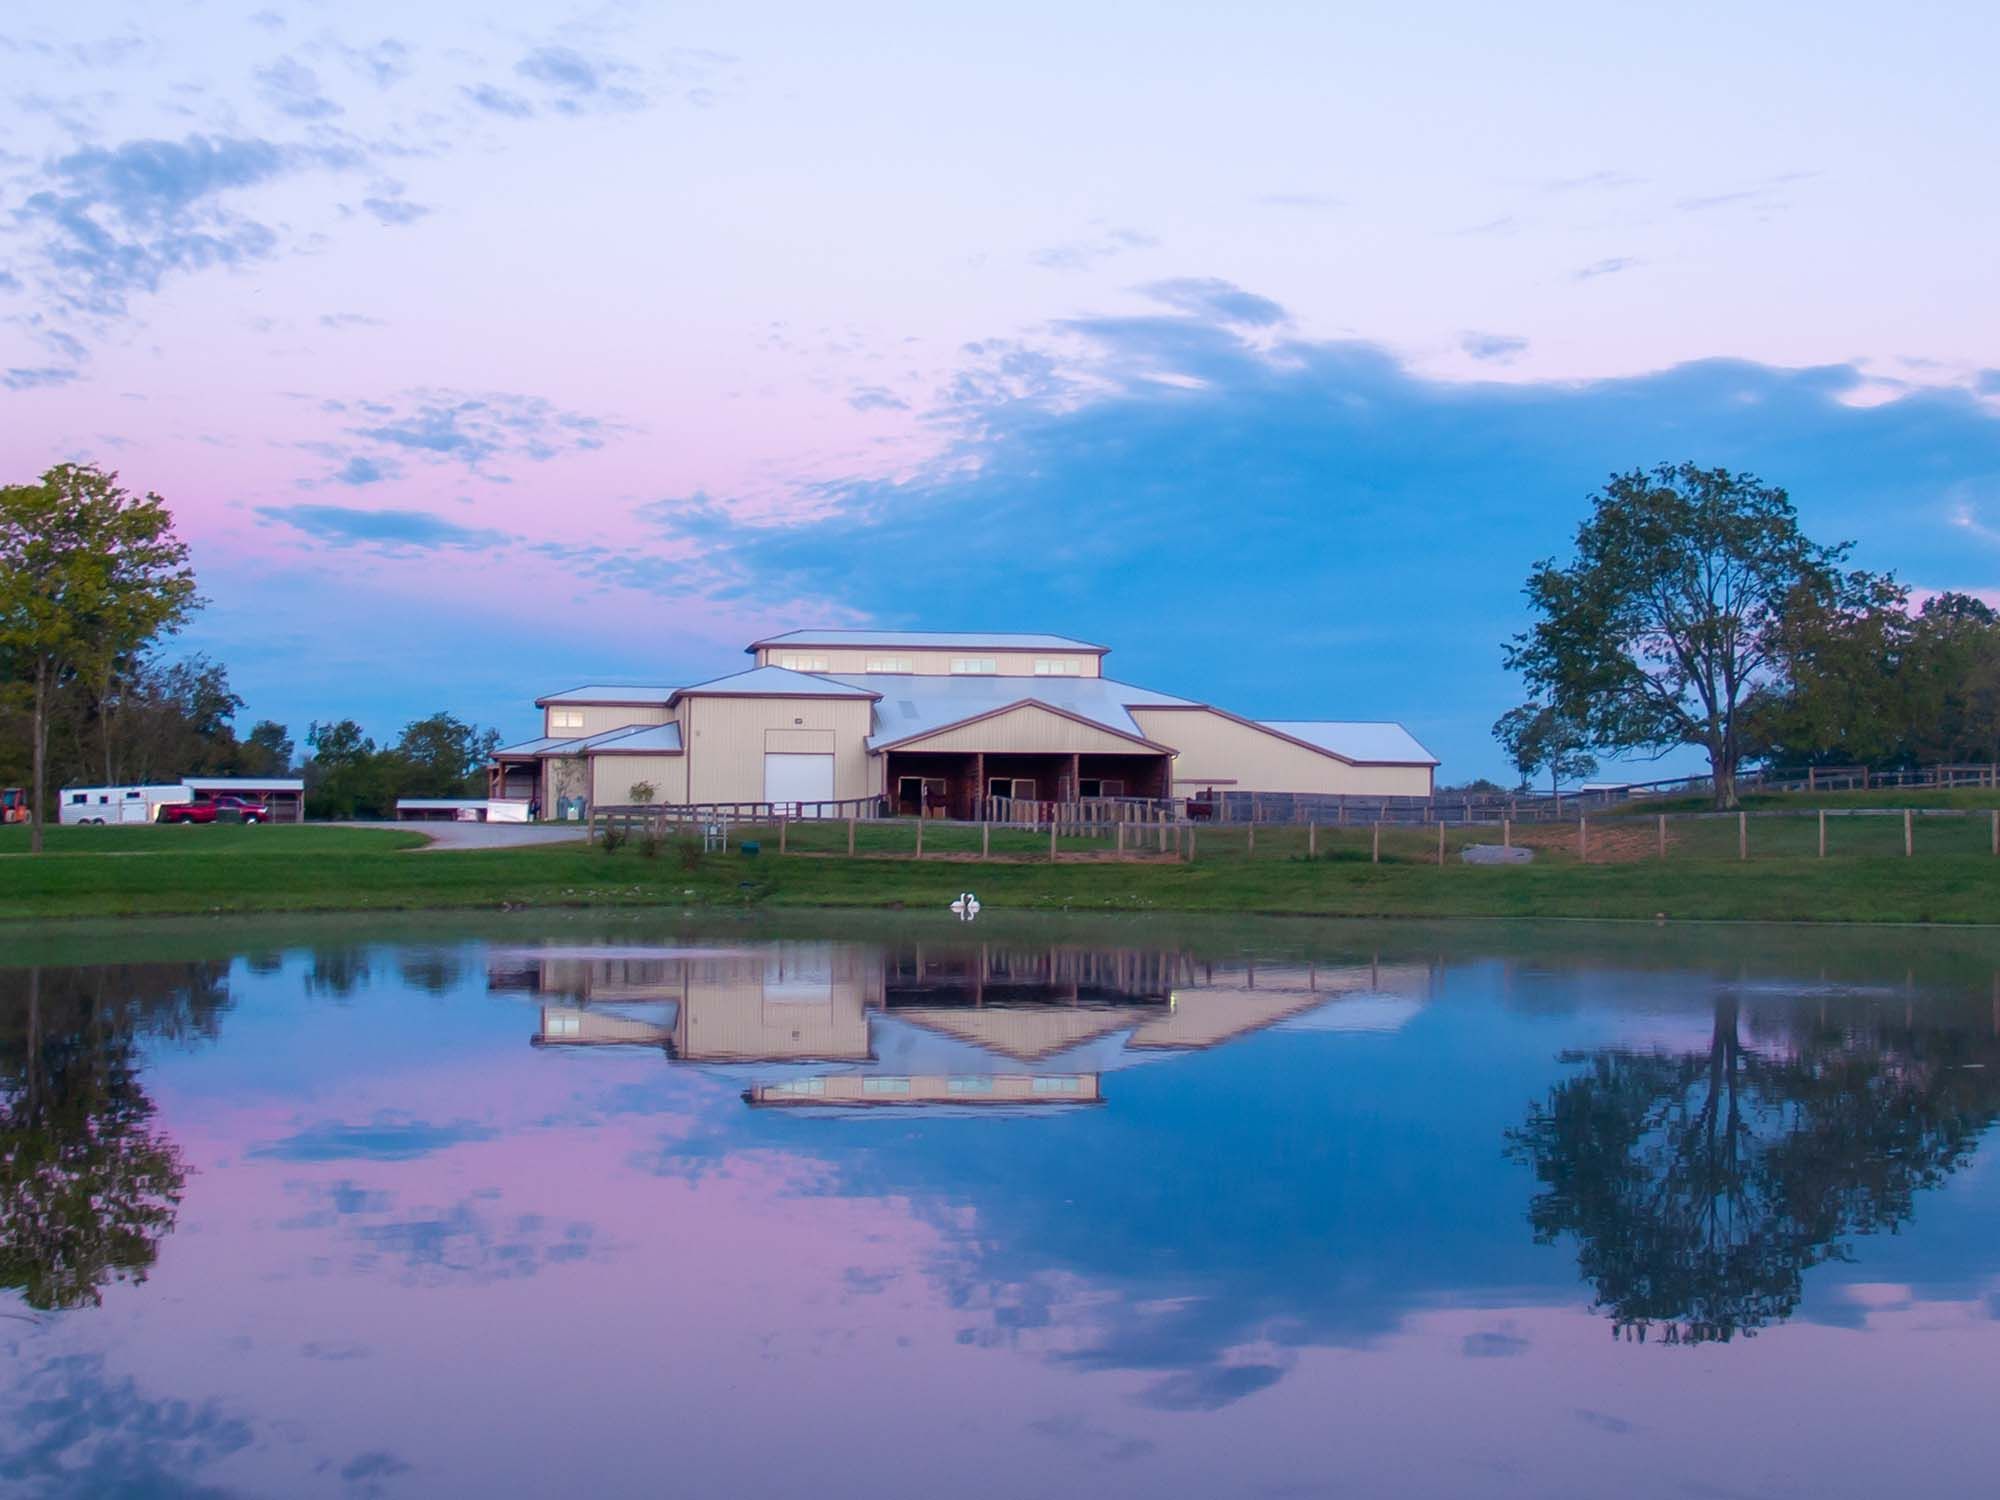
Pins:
x,y
13,804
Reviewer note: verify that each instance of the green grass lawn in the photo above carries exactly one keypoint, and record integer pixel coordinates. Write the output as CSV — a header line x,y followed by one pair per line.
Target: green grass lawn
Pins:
x,y
194,840
240,870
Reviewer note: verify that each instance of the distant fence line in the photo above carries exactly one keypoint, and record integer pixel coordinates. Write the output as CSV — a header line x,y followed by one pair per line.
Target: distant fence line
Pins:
x,y
1623,836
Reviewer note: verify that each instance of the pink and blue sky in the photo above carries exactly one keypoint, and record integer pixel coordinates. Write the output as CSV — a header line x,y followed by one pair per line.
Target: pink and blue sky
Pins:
x,y
487,349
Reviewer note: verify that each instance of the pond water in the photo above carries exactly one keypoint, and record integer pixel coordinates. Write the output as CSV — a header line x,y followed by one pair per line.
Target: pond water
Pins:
x,y
901,1207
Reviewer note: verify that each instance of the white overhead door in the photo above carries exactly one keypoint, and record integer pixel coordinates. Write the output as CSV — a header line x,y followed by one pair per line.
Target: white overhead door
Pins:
x,y
790,780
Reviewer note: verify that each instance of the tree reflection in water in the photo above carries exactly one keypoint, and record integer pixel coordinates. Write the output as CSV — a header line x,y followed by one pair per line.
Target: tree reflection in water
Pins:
x,y
1700,1187
88,1186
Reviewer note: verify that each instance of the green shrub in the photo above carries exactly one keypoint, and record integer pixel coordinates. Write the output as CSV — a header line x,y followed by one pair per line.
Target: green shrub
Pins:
x,y
614,838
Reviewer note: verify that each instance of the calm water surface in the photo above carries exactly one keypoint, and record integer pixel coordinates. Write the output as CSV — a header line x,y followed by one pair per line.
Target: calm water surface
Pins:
x,y
860,1208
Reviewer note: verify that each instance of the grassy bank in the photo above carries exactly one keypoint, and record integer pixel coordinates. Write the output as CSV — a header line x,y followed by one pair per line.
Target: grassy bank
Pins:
x,y
319,869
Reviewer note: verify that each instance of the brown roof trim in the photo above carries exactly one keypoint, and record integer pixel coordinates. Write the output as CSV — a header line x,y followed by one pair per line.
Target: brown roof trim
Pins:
x,y
550,702
1007,708
784,697
945,643
1276,734
614,750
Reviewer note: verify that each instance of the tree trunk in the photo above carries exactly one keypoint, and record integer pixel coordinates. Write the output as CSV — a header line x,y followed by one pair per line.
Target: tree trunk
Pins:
x,y
40,731
104,727
1722,773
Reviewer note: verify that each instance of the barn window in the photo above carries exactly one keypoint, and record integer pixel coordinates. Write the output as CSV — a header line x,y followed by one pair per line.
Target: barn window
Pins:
x,y
565,718
901,664
973,666
1058,666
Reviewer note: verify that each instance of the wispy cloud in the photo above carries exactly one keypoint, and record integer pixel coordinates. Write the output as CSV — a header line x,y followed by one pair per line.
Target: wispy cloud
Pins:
x,y
32,377
1966,518
1493,346
499,101
388,205
382,63
574,83
348,320
292,88
484,432
383,530
1763,193
1081,255
876,398
1212,297
117,220
1610,267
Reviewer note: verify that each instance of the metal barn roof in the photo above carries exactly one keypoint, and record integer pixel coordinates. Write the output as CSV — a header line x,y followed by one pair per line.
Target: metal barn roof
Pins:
x,y
626,736
1379,743
776,682
638,739
612,694
913,706
931,640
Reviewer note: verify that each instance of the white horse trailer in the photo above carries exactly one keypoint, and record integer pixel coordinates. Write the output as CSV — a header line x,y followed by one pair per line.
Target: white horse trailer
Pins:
x,y
118,804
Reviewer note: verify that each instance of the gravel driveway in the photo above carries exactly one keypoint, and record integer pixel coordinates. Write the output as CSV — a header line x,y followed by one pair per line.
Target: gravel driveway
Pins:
x,y
485,835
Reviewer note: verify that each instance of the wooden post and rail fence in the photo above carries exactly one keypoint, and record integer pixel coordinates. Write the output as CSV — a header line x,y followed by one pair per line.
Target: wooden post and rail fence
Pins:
x,y
1394,830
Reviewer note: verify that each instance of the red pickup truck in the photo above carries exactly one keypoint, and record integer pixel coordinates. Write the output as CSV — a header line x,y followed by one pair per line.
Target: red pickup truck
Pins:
x,y
216,810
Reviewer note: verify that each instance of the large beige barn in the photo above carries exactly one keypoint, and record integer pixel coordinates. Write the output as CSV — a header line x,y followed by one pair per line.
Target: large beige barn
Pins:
x,y
920,721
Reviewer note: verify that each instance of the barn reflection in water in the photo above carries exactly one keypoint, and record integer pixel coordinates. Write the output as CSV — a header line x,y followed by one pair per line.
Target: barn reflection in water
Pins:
x,y
974,1027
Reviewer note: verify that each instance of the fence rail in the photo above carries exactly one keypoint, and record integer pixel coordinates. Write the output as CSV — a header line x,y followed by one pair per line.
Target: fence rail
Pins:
x,y
1625,835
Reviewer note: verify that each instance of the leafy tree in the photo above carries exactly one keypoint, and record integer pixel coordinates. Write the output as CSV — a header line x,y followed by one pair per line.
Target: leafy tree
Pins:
x,y
88,1186
1869,682
1537,738
443,756
1701,1186
1840,695
341,770
89,573
170,720
1954,669
1666,623
348,775
267,749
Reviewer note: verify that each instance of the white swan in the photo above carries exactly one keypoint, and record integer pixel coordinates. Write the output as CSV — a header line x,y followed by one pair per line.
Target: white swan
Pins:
x,y
966,906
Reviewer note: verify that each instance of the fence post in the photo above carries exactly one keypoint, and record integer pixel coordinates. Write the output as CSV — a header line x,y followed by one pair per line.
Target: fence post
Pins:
x,y
1375,851
1742,835
850,835
1909,841
1250,844
1312,840
1822,833
1121,838
783,823
1663,835
1507,832
1052,840
1582,839
1190,842
920,835
1996,833
1440,843
985,839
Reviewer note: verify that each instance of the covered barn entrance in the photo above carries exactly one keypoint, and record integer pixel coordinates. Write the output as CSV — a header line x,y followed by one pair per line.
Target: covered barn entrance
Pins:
x,y
1021,755
966,785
